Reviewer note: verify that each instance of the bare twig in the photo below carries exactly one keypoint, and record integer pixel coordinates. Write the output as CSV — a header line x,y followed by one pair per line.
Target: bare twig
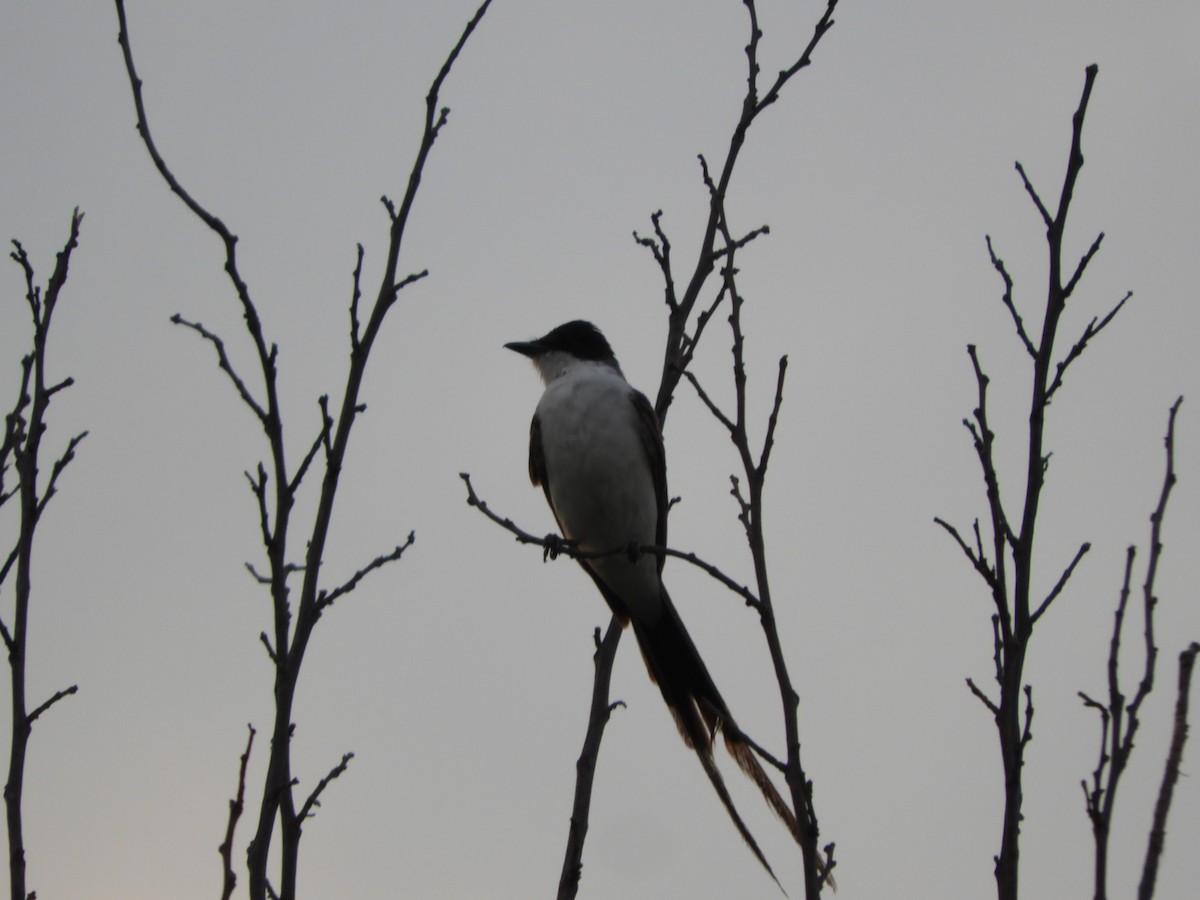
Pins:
x,y
1094,328
974,554
314,799
326,599
1007,298
229,878
58,695
226,365
1158,831
1061,583
660,247
1033,195
585,767
319,442
983,698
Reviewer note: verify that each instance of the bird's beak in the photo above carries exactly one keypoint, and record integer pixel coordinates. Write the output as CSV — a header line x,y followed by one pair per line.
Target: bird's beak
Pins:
x,y
525,348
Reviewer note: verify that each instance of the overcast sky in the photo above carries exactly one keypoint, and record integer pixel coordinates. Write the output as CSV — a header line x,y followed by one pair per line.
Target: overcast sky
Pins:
x,y
460,677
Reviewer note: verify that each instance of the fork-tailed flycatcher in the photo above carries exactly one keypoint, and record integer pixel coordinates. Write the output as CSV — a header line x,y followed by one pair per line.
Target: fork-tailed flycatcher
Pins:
x,y
596,450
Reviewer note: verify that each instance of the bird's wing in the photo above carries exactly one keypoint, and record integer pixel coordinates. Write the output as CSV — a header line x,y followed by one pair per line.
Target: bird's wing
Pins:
x,y
656,456
537,457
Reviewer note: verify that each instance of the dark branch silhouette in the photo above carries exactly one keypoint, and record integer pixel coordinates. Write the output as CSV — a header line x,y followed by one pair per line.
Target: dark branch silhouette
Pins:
x,y
1158,831
585,766
275,486
21,450
1120,716
1007,566
236,805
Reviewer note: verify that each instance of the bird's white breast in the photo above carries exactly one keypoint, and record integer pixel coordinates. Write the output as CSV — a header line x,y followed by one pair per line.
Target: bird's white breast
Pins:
x,y
600,479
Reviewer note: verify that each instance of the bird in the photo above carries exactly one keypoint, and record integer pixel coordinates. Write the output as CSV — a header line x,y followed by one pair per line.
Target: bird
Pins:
x,y
596,450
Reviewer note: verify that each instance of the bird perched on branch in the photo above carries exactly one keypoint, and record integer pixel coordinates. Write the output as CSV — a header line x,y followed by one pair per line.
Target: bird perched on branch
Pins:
x,y
596,450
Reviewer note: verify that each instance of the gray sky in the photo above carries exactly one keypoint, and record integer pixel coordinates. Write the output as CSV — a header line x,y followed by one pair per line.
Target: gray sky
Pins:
x,y
460,677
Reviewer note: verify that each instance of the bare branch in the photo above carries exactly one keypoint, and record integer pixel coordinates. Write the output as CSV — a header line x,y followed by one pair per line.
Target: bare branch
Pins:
x,y
984,438
225,365
8,563
228,239
975,555
1149,600
24,429
741,590
355,296
1094,328
1062,582
744,507
1082,265
822,26
585,767
236,805
326,599
720,416
1162,808
660,248
733,246
983,698
409,279
314,801
59,465
1093,799
321,441
1027,733
266,579
1033,194
258,485
289,646
1120,718
1007,299
773,418
58,695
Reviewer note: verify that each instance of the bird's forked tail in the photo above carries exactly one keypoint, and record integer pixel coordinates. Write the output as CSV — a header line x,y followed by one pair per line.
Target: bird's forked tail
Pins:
x,y
699,710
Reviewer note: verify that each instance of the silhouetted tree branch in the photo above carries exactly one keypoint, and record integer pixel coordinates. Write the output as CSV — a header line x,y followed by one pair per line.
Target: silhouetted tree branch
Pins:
x,y
817,867
680,346
1119,716
21,449
585,766
236,805
275,486
1016,611
1158,831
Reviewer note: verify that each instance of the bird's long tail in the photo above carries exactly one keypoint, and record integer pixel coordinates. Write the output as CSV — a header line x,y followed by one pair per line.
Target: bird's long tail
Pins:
x,y
699,711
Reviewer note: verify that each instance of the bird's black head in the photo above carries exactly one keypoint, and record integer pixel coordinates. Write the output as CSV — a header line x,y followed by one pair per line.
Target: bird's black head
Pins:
x,y
579,339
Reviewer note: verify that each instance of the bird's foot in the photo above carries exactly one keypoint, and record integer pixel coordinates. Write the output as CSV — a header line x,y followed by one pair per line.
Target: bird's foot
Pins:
x,y
553,545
